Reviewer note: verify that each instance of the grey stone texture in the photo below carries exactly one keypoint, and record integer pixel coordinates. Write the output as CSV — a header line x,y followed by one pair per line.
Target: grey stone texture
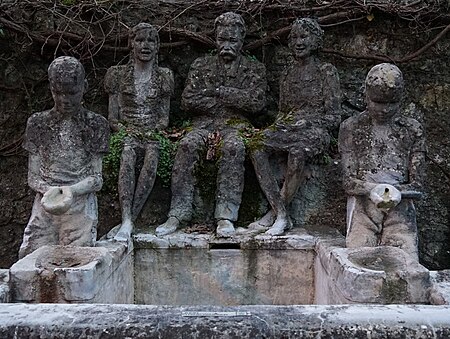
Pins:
x,y
139,100
204,270
68,274
5,295
133,321
65,146
369,275
427,97
221,93
383,159
309,109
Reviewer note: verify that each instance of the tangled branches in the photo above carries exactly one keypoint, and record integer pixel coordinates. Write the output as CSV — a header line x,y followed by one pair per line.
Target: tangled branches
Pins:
x,y
86,27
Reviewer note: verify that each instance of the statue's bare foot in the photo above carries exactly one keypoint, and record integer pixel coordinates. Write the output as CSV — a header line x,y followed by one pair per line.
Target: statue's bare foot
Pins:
x,y
124,233
225,228
282,223
170,226
264,223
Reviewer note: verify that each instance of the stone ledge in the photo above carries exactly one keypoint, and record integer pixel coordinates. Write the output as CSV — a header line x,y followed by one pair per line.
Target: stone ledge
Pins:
x,y
118,321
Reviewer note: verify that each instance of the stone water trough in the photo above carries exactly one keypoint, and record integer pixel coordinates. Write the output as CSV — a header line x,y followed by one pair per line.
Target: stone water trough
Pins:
x,y
238,287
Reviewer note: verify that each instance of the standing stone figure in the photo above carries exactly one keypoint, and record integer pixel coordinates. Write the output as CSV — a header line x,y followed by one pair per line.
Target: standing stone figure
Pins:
x,y
383,156
139,98
309,108
221,92
66,144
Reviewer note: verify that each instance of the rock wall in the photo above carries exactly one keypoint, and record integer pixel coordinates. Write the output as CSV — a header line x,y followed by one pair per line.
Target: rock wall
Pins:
x,y
31,35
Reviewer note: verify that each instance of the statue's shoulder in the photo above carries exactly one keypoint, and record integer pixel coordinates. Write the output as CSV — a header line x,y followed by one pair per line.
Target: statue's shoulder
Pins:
x,y
114,75
411,125
355,120
204,62
43,118
253,65
328,69
95,119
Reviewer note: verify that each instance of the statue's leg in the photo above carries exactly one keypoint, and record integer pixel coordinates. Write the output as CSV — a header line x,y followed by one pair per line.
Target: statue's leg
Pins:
x,y
366,224
126,185
146,178
292,180
40,230
294,175
183,180
400,228
270,188
78,227
230,183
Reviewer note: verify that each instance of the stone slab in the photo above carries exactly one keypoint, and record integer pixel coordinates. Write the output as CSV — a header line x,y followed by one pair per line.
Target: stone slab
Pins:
x,y
440,292
4,286
64,274
144,321
186,269
381,275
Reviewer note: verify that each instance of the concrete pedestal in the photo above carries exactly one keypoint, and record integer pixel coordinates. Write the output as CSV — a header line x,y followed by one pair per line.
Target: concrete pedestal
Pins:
x,y
63,274
381,275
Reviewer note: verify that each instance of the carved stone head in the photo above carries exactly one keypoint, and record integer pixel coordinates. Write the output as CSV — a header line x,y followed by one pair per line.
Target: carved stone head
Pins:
x,y
143,39
230,34
384,90
305,38
67,84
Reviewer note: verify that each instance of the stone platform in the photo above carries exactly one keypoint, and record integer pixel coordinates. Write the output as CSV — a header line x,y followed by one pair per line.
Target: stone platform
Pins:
x,y
63,274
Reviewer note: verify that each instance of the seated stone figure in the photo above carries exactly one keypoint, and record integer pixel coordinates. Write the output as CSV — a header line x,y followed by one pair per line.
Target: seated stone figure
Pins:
x,y
383,155
221,92
309,107
66,144
139,99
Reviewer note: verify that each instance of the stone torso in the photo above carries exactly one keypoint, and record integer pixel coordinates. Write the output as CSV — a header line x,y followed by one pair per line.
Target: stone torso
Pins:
x,y
143,103
66,147
382,153
207,75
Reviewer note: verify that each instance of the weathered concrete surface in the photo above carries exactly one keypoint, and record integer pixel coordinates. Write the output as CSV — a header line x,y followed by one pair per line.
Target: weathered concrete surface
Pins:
x,y
184,269
381,275
132,321
4,286
440,292
61,274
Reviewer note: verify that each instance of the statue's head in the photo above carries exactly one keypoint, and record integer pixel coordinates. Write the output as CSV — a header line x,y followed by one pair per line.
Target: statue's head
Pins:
x,y
230,33
143,39
305,38
384,90
67,83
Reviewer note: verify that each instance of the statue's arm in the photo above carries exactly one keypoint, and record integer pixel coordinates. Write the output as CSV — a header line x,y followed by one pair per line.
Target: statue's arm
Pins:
x,y
351,184
251,96
168,85
416,167
92,183
332,96
111,87
34,177
199,94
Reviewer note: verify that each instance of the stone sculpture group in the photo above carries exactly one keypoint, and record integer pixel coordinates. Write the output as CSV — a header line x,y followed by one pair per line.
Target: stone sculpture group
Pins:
x,y
382,152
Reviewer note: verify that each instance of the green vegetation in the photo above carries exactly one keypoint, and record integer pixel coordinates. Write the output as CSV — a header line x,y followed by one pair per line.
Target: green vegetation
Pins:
x,y
111,162
167,151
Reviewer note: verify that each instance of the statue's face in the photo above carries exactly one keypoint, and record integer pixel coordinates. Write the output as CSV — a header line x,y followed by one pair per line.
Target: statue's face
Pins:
x,y
229,42
145,45
68,95
302,43
382,111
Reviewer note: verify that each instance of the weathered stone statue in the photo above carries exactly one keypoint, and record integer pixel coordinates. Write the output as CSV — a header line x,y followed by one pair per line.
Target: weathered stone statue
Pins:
x,y
309,107
221,92
66,144
383,155
139,98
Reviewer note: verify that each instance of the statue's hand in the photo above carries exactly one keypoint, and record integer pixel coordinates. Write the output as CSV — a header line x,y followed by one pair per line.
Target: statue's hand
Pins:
x,y
227,94
57,200
385,196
